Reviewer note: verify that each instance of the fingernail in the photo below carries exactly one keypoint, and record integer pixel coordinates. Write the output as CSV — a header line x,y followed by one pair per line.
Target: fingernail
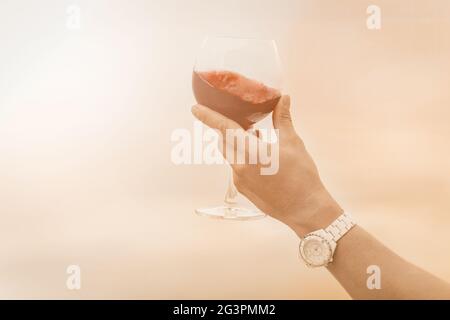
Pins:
x,y
195,110
284,101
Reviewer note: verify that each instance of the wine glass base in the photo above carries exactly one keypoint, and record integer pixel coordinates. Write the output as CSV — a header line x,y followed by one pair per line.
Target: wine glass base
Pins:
x,y
230,213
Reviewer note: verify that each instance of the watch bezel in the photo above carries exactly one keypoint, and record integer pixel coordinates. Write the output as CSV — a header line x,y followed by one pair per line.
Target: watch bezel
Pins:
x,y
323,240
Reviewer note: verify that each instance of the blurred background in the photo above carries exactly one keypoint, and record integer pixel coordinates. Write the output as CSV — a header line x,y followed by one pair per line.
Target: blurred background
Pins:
x,y
86,117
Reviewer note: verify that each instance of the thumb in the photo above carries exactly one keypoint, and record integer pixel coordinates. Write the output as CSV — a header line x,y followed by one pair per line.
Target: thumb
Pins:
x,y
282,119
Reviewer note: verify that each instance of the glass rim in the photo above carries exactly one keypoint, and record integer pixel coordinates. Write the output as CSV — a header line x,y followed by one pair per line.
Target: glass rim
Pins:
x,y
272,43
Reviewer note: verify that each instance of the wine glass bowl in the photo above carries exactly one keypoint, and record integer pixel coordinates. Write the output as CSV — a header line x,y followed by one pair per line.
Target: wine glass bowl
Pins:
x,y
241,99
239,78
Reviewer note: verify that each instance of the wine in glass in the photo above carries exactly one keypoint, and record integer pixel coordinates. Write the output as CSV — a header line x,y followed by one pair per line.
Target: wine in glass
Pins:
x,y
241,79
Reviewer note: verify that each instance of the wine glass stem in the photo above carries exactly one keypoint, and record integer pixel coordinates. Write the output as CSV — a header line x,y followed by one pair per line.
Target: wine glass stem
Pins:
x,y
231,194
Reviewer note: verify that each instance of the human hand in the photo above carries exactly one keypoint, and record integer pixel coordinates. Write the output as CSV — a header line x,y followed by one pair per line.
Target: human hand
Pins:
x,y
295,195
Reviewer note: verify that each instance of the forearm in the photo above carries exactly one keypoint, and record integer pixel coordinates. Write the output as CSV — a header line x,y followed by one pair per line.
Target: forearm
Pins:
x,y
399,279
358,250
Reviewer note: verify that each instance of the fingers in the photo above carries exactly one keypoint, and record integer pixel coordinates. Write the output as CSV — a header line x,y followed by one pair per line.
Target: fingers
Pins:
x,y
234,141
238,146
282,119
255,132
214,119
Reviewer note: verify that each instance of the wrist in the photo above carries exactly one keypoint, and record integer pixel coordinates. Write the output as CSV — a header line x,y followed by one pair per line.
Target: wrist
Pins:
x,y
319,211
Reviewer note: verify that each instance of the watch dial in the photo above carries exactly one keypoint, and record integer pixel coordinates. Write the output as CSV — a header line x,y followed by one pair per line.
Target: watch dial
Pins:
x,y
317,251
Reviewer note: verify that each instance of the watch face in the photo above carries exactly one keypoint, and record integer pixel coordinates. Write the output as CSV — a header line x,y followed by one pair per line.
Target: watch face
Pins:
x,y
316,251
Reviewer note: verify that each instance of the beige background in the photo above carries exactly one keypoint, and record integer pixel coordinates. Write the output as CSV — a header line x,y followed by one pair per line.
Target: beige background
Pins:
x,y
85,124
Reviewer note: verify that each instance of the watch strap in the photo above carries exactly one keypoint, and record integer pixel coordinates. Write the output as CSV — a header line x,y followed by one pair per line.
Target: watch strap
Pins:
x,y
339,227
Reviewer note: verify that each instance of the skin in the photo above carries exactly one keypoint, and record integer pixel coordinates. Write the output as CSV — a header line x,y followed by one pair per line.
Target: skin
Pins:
x,y
297,197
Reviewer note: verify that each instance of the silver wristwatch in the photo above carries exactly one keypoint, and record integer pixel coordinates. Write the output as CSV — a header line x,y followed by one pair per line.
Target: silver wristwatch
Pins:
x,y
317,248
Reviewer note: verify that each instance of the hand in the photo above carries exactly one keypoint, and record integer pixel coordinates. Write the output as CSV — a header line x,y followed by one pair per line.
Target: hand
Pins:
x,y
295,195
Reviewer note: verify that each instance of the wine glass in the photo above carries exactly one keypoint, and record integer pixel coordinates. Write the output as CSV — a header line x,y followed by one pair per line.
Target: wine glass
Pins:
x,y
241,79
